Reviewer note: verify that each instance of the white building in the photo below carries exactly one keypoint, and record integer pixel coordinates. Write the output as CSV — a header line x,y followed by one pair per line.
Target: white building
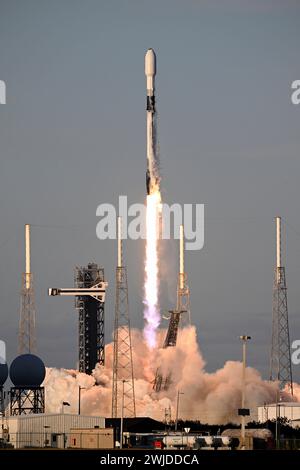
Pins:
x,y
289,410
47,430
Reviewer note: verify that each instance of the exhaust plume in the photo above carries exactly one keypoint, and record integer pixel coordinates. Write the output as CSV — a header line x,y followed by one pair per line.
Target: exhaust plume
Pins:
x,y
212,398
151,287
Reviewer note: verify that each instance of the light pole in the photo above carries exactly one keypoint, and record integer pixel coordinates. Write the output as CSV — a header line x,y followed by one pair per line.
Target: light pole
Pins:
x,y
79,398
122,415
64,403
177,409
277,424
243,411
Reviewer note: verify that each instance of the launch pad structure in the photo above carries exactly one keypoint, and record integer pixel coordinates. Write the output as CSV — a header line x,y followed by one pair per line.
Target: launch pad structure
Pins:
x,y
91,319
182,307
89,292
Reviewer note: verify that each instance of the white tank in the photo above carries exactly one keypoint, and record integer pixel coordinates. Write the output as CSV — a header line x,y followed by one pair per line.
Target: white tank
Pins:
x,y
208,440
150,63
179,440
226,441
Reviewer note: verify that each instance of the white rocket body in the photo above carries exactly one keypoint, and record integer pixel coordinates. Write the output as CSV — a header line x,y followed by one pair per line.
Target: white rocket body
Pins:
x,y
150,72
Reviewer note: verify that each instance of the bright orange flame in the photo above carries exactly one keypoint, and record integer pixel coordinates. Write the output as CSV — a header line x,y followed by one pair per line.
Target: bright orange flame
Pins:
x,y
151,312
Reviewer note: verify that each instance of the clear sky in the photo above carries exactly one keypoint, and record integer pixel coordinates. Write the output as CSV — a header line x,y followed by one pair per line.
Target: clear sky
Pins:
x,y
72,135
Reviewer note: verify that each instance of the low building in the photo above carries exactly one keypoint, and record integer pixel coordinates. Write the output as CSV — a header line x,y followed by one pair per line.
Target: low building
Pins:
x,y
92,438
273,411
48,430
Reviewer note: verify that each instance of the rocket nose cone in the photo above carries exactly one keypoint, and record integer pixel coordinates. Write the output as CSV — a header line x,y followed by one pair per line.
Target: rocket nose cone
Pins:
x,y
150,62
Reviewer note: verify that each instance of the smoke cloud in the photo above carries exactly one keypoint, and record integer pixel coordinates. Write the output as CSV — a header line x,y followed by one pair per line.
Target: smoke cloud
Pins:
x,y
212,398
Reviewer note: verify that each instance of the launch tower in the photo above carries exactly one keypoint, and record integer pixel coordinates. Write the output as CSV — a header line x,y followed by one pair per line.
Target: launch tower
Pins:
x,y
91,319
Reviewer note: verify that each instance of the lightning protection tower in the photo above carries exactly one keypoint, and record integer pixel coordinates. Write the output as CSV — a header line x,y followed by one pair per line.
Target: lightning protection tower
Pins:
x,y
123,397
280,363
182,307
27,331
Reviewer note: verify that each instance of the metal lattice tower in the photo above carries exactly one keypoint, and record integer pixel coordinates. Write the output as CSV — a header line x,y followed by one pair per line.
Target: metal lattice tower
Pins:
x,y
2,401
91,319
27,331
25,401
182,306
122,360
280,363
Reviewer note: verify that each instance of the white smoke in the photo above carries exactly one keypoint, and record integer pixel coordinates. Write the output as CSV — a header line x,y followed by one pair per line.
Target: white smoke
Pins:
x,y
212,398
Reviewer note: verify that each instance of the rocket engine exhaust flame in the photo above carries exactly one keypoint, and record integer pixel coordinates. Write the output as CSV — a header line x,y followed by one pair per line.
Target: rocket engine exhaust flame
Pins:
x,y
151,287
151,311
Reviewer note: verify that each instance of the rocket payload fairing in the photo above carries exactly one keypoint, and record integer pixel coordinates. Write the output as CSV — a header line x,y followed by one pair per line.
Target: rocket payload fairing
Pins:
x,y
152,179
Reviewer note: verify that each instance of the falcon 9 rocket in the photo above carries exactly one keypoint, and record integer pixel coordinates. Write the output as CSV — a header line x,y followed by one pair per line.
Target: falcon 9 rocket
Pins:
x,y
152,177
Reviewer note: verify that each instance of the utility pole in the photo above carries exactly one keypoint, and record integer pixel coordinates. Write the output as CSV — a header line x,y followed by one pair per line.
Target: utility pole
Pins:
x,y
276,425
167,416
280,361
122,359
243,412
278,422
79,398
177,408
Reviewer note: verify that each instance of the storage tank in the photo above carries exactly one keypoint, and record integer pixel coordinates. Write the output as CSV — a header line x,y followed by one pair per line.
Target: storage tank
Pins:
x,y
27,371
